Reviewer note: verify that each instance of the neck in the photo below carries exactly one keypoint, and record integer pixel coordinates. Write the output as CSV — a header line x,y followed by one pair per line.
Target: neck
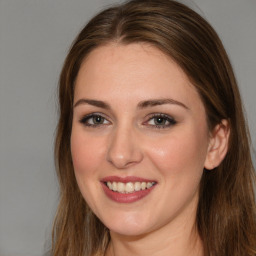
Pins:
x,y
183,241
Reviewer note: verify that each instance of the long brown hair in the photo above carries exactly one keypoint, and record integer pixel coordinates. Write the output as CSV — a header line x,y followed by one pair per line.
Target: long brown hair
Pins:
x,y
226,215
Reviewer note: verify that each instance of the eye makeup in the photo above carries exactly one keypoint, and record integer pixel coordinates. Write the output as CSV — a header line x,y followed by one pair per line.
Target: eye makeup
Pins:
x,y
155,120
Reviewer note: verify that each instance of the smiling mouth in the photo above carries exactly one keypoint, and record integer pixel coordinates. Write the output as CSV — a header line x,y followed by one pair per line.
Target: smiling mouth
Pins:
x,y
129,187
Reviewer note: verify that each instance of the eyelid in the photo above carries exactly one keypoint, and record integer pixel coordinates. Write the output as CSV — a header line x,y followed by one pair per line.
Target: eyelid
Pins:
x,y
168,118
91,115
171,121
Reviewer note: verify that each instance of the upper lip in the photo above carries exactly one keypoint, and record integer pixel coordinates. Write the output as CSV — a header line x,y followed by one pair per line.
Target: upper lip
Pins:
x,y
125,179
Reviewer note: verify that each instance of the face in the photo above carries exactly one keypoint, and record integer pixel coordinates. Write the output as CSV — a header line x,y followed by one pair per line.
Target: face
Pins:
x,y
139,139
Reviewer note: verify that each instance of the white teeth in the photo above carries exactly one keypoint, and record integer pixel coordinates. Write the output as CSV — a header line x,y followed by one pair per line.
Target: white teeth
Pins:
x,y
120,187
114,186
129,187
143,185
149,184
109,185
137,186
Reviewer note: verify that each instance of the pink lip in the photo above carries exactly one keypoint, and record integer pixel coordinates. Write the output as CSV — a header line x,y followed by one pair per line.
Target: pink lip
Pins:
x,y
129,197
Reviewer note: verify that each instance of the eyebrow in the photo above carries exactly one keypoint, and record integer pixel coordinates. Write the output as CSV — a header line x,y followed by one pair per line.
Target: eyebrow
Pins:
x,y
157,102
141,105
96,103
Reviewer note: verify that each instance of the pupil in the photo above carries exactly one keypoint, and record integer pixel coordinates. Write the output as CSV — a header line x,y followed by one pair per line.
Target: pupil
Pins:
x,y
97,119
160,120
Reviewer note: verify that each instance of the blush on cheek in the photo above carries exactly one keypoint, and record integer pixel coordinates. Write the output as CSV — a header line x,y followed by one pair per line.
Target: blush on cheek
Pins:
x,y
86,153
82,162
79,155
179,154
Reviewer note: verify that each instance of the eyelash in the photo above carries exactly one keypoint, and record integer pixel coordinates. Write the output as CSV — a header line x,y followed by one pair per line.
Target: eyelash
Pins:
x,y
166,118
85,120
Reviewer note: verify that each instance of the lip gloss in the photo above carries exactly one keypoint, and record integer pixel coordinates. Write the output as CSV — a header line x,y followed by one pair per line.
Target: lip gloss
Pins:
x,y
125,197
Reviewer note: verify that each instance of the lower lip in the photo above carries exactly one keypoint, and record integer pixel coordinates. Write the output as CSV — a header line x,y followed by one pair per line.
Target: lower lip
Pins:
x,y
126,198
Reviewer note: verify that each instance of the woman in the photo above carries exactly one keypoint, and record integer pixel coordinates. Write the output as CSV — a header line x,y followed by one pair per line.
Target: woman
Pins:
x,y
152,149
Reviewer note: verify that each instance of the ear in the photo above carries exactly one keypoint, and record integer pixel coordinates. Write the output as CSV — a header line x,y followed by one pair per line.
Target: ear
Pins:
x,y
218,145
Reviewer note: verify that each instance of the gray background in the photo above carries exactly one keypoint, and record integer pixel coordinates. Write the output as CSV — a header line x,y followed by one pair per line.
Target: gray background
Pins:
x,y
34,38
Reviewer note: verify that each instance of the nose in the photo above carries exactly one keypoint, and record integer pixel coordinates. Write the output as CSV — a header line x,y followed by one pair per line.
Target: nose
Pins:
x,y
124,148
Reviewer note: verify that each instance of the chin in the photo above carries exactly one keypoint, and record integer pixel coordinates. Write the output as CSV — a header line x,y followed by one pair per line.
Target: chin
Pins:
x,y
128,226
130,231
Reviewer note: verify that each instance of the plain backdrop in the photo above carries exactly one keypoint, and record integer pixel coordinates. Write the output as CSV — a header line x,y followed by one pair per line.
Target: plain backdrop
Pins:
x,y
35,36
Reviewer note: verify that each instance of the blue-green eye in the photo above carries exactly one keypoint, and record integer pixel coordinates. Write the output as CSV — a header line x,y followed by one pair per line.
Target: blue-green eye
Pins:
x,y
161,121
94,120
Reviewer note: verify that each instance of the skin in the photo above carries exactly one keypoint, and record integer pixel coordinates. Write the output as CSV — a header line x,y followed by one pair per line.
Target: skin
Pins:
x,y
128,142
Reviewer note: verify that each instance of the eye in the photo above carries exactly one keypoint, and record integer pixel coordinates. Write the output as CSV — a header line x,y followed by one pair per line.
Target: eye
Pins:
x,y
160,121
94,120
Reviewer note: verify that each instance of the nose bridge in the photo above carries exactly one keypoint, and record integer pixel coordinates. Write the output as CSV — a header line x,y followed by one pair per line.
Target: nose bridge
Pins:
x,y
124,149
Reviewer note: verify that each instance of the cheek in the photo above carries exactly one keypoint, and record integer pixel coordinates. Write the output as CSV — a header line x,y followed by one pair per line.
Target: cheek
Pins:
x,y
86,152
182,153
86,156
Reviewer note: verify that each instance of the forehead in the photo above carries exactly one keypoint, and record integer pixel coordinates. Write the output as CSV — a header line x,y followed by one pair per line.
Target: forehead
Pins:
x,y
135,72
